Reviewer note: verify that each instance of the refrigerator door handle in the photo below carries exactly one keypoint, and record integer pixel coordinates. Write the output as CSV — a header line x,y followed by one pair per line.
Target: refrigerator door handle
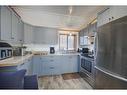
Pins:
x,y
111,74
96,46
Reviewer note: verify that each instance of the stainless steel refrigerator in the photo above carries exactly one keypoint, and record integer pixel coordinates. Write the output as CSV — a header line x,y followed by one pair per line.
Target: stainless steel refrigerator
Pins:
x,y
111,55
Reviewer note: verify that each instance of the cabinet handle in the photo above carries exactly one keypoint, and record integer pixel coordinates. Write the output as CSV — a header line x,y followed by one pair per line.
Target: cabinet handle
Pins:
x,y
12,38
70,57
51,60
51,67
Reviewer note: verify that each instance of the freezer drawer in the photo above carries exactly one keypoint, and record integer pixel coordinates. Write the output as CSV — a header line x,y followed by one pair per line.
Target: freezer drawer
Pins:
x,y
105,80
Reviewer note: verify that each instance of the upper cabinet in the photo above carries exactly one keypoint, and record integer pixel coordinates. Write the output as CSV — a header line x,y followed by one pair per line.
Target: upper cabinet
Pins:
x,y
44,35
110,14
15,31
28,34
11,26
5,32
87,31
21,31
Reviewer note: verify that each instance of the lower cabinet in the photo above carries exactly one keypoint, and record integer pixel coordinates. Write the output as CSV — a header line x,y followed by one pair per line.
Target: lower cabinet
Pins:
x,y
27,64
54,65
69,63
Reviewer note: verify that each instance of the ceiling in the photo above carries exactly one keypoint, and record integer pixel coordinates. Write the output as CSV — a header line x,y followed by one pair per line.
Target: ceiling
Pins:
x,y
58,16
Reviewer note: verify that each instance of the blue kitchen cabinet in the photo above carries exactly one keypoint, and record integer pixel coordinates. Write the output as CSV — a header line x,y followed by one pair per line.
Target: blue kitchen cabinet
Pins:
x,y
28,34
69,63
37,65
15,23
23,66
46,65
55,64
5,18
10,25
27,64
42,35
20,31
51,65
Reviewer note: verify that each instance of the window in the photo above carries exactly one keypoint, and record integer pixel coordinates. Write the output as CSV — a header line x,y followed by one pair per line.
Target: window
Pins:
x,y
70,42
67,42
63,42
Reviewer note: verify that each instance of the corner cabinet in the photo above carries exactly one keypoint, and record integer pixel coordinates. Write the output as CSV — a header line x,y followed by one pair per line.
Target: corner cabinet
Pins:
x,y
27,65
5,22
110,14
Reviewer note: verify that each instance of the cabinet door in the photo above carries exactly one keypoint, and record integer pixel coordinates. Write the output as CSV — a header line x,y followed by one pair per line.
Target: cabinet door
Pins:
x,y
51,65
56,64
69,63
20,31
66,66
28,34
47,68
29,66
37,66
24,65
104,17
45,35
75,63
5,24
118,12
14,27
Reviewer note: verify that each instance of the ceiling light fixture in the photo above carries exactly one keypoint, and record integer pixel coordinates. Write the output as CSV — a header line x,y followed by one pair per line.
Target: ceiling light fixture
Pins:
x,y
70,34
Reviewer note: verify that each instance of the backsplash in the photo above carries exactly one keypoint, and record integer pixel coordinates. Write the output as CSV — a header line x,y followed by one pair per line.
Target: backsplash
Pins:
x,y
40,47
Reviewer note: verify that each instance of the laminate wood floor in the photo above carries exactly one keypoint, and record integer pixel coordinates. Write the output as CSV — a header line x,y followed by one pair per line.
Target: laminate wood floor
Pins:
x,y
65,81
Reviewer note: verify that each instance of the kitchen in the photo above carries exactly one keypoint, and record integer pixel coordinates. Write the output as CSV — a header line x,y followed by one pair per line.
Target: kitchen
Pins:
x,y
63,47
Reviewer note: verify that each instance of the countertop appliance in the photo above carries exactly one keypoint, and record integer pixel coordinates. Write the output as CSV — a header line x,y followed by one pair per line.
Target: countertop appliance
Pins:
x,y
111,55
85,50
52,50
19,51
5,50
87,68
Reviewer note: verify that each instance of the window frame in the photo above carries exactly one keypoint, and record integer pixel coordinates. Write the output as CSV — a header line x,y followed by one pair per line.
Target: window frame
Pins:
x,y
67,41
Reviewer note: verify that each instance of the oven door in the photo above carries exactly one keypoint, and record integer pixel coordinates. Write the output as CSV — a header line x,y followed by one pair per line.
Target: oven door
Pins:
x,y
86,65
87,70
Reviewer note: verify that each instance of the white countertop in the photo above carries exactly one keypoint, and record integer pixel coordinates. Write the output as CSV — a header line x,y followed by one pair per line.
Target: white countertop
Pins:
x,y
17,60
62,54
14,61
